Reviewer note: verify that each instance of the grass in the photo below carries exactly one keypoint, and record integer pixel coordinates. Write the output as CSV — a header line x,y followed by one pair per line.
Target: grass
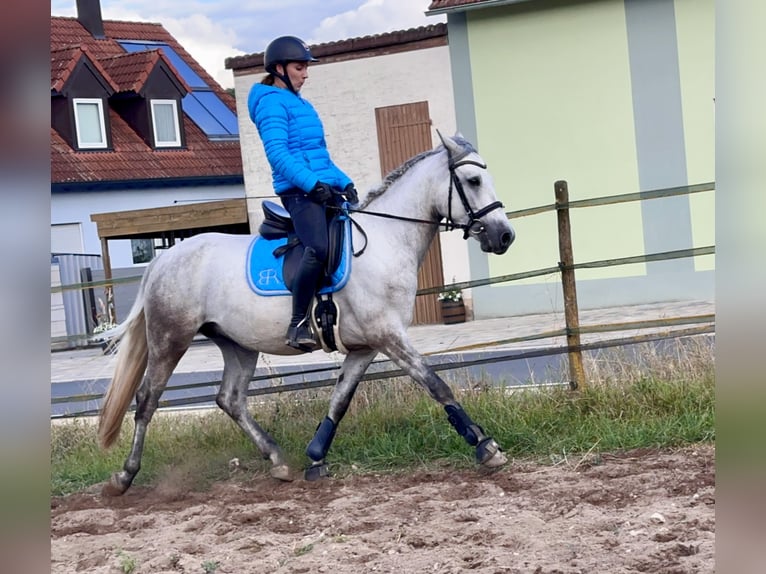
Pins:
x,y
636,398
127,562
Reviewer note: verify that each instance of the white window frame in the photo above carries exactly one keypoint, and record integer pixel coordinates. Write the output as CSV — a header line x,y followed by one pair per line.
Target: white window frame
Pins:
x,y
177,141
102,123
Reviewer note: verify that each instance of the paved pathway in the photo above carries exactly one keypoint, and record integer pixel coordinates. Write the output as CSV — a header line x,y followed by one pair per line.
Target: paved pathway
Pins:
x,y
89,369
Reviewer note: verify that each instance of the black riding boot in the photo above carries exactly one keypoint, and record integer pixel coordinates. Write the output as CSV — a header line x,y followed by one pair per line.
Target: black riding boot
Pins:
x,y
299,333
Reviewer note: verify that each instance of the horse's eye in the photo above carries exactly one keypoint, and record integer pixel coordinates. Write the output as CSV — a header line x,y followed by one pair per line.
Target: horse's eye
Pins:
x,y
475,181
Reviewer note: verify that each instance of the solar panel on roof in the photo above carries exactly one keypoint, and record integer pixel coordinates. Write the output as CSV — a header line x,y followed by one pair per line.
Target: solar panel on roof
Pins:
x,y
202,105
219,110
190,76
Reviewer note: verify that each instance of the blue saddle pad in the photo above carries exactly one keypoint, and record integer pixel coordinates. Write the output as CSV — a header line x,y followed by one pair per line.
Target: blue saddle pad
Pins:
x,y
264,271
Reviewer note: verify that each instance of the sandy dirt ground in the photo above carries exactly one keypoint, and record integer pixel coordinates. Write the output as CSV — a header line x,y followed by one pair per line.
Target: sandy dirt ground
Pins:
x,y
641,511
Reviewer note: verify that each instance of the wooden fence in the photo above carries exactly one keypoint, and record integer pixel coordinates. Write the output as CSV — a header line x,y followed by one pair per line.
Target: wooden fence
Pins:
x,y
572,331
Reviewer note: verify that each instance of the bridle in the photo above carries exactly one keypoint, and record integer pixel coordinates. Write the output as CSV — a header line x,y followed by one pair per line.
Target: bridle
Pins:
x,y
473,227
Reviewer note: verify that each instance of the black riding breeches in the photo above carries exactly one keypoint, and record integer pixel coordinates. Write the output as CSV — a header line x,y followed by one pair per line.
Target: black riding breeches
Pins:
x,y
309,220
310,224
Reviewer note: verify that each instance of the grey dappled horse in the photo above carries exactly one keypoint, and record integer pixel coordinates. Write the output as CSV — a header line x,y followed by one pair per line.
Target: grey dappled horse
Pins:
x,y
199,286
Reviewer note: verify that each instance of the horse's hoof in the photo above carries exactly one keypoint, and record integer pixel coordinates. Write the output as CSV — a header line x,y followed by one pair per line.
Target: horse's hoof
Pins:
x,y
282,472
317,471
488,454
113,488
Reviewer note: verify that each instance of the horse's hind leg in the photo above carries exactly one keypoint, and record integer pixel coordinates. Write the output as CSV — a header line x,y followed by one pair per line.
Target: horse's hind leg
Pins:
x,y
402,352
158,370
239,365
351,372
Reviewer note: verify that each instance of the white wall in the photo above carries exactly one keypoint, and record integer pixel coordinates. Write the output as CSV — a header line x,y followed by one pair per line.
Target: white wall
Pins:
x,y
77,207
345,95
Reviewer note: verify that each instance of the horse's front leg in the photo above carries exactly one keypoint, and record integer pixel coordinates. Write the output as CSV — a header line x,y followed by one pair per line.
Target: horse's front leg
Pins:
x,y
401,351
354,366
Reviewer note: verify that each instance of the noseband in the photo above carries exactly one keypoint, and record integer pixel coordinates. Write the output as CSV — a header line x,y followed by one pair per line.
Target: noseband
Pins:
x,y
474,225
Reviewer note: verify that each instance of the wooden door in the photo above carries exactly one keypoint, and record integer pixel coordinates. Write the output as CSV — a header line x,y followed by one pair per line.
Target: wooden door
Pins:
x,y
403,132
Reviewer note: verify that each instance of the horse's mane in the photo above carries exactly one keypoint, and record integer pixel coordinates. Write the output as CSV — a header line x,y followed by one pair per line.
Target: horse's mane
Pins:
x,y
398,172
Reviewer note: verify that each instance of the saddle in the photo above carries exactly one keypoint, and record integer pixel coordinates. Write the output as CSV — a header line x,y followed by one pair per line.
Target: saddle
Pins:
x,y
278,224
274,257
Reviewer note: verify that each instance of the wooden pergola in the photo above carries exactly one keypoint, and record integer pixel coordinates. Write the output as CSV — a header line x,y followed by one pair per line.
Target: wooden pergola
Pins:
x,y
170,223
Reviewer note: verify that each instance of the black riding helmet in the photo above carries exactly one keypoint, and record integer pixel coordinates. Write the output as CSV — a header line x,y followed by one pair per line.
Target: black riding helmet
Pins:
x,y
283,50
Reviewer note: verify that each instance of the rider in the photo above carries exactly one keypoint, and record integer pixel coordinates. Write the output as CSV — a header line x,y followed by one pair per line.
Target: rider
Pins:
x,y
304,176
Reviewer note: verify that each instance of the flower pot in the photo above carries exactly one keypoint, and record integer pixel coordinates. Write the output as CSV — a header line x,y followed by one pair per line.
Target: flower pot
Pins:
x,y
453,312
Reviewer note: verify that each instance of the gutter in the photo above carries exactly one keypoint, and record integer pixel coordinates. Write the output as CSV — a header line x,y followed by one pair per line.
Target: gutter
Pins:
x,y
167,182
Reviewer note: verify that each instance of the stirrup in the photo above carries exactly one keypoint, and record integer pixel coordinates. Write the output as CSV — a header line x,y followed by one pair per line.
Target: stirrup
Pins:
x,y
301,337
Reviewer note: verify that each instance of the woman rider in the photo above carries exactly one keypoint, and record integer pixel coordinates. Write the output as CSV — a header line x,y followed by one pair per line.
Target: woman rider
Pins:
x,y
303,173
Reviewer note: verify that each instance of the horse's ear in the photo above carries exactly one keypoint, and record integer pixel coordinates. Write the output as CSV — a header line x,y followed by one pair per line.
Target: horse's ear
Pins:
x,y
459,135
449,143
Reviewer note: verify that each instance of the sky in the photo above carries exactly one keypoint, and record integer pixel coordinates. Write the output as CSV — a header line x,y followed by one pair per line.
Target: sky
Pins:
x,y
213,30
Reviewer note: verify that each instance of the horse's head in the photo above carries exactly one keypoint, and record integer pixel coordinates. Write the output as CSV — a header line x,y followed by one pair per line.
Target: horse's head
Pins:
x,y
472,204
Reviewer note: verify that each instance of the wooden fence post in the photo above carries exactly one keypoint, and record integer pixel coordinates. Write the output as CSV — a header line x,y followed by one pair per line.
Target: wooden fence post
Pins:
x,y
571,314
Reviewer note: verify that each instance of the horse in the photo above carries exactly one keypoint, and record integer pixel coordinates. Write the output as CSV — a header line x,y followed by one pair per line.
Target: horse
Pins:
x,y
198,286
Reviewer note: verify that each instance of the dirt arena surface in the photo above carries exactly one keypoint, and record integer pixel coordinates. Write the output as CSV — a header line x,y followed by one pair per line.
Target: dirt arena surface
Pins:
x,y
641,511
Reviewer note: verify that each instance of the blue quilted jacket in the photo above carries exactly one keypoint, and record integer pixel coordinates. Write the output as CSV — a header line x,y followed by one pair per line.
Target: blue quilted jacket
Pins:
x,y
293,138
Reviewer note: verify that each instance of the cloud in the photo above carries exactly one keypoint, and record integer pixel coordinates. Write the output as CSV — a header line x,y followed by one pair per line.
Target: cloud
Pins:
x,y
213,30
208,42
375,17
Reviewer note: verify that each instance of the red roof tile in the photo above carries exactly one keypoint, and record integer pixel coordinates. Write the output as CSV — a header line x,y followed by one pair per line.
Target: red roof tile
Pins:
x,y
130,71
372,45
132,159
441,4
62,63
64,60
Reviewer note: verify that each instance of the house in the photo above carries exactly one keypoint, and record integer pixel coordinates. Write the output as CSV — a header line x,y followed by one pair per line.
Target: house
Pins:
x,y
380,98
614,96
144,146
136,123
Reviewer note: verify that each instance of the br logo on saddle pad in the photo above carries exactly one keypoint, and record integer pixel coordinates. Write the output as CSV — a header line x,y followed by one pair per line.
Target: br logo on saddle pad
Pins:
x,y
273,256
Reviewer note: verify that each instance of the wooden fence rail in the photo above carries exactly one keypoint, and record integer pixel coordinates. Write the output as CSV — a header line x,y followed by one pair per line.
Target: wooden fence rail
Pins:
x,y
566,267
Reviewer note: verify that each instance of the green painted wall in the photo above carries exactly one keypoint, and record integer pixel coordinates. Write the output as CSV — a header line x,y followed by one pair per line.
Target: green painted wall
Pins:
x,y
553,101
695,26
547,89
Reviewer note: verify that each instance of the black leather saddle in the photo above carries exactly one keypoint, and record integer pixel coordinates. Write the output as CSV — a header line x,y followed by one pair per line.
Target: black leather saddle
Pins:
x,y
278,224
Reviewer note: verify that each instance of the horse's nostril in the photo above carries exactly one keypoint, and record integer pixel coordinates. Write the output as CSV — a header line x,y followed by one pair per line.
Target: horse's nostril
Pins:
x,y
507,238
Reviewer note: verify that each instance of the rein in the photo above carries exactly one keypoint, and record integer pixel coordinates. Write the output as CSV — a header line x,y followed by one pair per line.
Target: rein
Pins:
x,y
474,225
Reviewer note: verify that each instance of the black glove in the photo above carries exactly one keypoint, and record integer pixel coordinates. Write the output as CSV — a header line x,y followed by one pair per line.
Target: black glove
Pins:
x,y
321,193
351,195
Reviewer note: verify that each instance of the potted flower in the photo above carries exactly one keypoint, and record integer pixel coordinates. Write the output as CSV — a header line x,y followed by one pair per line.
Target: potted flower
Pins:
x,y
452,306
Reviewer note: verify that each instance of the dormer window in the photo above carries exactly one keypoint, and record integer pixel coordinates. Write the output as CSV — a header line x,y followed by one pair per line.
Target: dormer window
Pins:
x,y
167,132
89,123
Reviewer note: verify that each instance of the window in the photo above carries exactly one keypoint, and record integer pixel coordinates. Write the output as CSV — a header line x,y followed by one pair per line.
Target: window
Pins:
x,y
89,123
143,250
165,123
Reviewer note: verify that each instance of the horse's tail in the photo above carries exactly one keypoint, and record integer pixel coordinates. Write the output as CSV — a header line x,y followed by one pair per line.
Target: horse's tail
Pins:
x,y
132,356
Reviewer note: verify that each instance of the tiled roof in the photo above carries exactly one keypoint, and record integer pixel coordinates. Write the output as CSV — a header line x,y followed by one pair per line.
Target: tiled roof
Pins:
x,y
438,4
356,47
63,62
132,160
444,5
130,71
